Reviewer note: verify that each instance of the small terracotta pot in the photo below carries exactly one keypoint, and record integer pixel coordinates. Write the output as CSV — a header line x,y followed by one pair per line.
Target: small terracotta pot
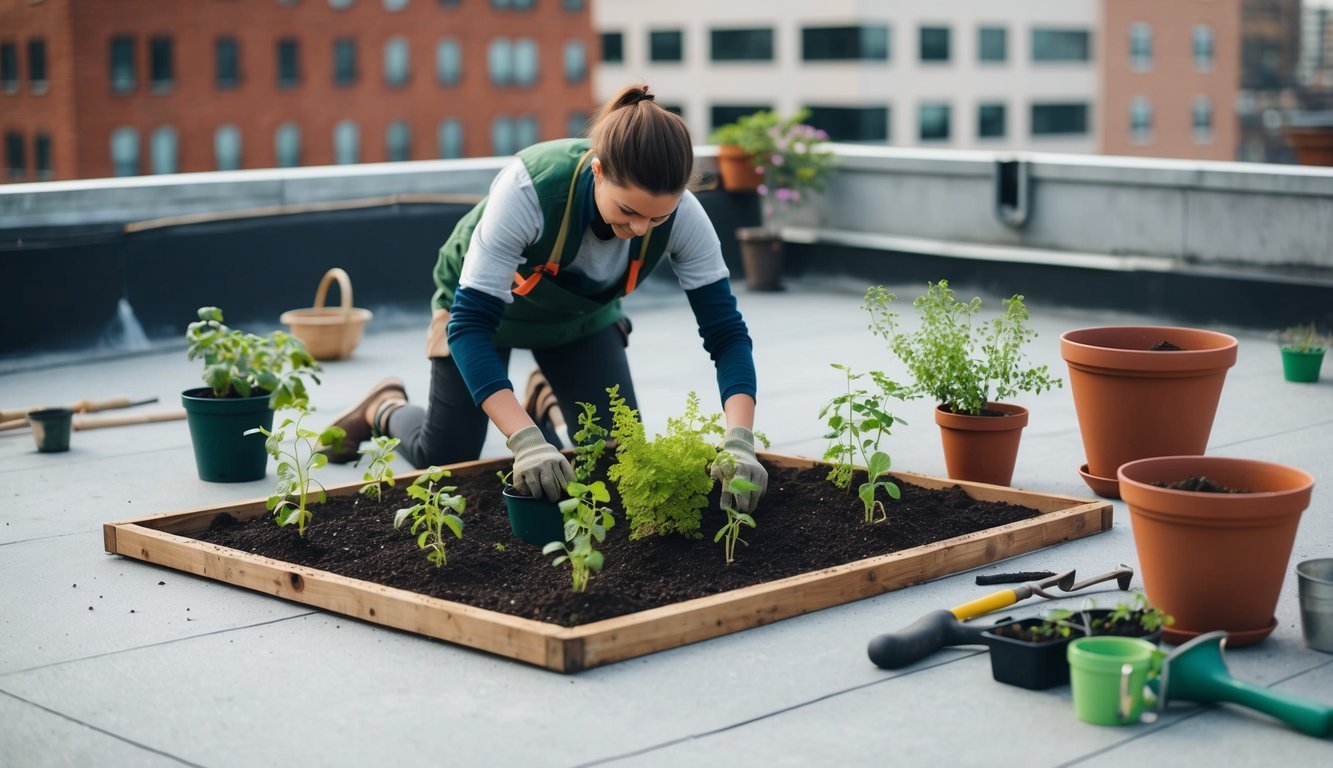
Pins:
x,y
735,167
1215,561
982,449
1133,403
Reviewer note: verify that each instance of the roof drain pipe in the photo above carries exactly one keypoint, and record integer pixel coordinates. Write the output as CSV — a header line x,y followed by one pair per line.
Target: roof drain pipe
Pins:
x,y
1013,200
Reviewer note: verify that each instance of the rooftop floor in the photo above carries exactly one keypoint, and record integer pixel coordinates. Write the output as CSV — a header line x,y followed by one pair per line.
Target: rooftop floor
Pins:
x,y
113,662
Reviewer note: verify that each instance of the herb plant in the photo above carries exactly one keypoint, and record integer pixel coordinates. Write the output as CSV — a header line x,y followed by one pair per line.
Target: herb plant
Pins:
x,y
1303,338
238,364
857,420
730,533
1138,612
379,473
429,518
664,482
589,443
291,499
586,519
961,365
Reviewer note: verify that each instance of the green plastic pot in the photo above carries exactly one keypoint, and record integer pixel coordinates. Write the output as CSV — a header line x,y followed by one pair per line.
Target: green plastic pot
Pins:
x,y
50,429
1108,674
1302,367
223,453
534,520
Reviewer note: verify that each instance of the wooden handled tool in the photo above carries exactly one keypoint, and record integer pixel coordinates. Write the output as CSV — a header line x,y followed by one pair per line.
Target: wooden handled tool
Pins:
x,y
80,406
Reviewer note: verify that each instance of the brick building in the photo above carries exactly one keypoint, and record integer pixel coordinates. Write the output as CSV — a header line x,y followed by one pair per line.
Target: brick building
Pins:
x,y
94,88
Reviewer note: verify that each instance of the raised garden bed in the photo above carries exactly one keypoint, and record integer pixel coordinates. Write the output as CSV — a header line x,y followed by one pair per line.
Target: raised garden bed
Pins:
x,y
548,626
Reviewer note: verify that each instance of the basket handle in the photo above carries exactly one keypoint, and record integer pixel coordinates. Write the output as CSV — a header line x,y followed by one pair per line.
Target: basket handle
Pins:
x,y
344,288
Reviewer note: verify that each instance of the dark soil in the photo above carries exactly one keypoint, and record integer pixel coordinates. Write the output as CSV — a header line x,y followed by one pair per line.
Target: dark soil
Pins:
x,y
1165,346
1197,484
1035,631
804,524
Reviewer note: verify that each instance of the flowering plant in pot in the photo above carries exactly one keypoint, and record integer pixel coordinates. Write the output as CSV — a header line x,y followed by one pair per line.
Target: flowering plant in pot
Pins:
x,y
1302,349
966,368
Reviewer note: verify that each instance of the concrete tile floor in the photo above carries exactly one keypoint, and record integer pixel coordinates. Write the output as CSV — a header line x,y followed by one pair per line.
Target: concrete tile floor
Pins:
x,y
107,661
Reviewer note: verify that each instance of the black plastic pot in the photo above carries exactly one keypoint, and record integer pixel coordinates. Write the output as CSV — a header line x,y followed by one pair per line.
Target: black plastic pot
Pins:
x,y
50,429
1035,666
223,453
534,520
1094,615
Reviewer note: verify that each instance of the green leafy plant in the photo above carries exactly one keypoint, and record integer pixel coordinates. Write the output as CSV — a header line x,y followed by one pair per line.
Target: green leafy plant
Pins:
x,y
792,157
857,420
1303,338
589,443
380,471
961,365
239,364
730,533
664,482
429,515
1137,612
587,519
291,499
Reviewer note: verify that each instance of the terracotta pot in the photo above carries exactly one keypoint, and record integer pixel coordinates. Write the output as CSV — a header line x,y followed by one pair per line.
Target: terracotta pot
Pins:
x,y
982,449
735,167
761,255
1133,403
1215,561
1313,145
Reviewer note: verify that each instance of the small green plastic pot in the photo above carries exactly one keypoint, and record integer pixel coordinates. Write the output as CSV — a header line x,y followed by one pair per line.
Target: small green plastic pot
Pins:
x,y
50,429
1302,367
534,520
1108,675
223,453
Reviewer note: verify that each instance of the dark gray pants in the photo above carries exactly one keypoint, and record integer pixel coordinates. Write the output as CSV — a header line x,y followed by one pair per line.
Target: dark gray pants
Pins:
x,y
453,429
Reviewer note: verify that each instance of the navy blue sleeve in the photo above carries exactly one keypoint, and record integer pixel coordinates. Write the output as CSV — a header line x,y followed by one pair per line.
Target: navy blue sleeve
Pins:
x,y
473,319
725,337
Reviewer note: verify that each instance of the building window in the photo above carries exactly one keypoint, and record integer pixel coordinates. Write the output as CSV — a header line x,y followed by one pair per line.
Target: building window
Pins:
x,y
1140,46
287,145
37,65
1059,119
525,62
448,62
500,61
16,166
1140,120
227,61
993,45
396,58
289,63
341,3
162,67
42,156
451,138
666,45
613,47
9,66
525,131
125,151
399,140
165,150
346,143
674,109
864,43
1061,45
1201,117
448,3
502,136
393,6
851,123
227,148
576,61
123,78
721,114
934,43
1203,48
573,5
576,124
933,122
991,121
344,61
742,44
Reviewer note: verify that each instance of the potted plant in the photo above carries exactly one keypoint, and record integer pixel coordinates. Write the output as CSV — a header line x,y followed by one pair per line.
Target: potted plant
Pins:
x,y
966,368
738,147
1213,536
1030,653
1302,352
248,377
1135,618
791,160
1142,391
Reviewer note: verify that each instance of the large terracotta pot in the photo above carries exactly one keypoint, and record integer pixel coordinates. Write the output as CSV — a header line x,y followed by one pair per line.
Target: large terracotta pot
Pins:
x,y
982,449
1133,403
735,167
1215,560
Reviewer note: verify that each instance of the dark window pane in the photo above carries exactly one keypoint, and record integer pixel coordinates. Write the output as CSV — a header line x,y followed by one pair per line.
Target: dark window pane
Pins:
x,y
851,123
162,68
934,122
742,45
42,156
613,47
990,121
37,62
721,114
1060,45
934,43
673,108
9,66
289,63
1057,119
123,77
344,61
870,43
227,59
665,45
992,44
15,164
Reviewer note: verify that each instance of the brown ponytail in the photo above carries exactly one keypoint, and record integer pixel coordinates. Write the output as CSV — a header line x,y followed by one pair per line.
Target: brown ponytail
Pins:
x,y
641,144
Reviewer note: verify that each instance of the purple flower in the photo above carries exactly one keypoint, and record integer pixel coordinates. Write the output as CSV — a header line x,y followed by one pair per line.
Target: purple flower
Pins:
x,y
762,189
776,159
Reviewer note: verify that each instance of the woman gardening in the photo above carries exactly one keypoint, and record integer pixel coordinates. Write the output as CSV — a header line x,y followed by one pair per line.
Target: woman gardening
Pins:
x,y
568,228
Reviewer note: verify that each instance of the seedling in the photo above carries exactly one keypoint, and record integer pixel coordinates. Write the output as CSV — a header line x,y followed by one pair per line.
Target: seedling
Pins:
x,y
858,419
379,473
291,499
730,533
238,364
429,518
1138,611
586,520
589,443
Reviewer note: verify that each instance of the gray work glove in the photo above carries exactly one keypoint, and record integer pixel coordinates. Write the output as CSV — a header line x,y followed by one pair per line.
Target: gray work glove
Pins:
x,y
539,469
739,443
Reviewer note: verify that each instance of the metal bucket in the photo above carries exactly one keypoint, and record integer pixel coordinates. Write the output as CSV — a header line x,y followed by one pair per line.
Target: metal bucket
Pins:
x,y
1315,583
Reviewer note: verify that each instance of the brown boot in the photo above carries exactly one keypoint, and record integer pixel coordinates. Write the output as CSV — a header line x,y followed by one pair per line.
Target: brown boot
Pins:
x,y
541,403
357,420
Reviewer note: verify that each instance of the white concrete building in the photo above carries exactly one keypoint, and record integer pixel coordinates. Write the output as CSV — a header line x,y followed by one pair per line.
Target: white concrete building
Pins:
x,y
964,74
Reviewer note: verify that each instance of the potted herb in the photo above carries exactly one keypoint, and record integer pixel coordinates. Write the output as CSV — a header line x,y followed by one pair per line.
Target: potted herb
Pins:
x,y
537,520
966,368
1134,618
738,146
1302,353
248,377
1030,653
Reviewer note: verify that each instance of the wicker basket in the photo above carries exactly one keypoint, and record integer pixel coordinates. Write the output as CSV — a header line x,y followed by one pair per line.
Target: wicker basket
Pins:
x,y
329,334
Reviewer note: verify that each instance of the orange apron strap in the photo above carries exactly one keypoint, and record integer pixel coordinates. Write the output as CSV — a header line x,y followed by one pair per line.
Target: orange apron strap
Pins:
x,y
524,285
632,280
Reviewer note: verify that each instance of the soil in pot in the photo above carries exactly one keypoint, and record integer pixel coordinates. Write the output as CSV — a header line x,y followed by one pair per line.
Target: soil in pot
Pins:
x,y
1198,484
805,524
